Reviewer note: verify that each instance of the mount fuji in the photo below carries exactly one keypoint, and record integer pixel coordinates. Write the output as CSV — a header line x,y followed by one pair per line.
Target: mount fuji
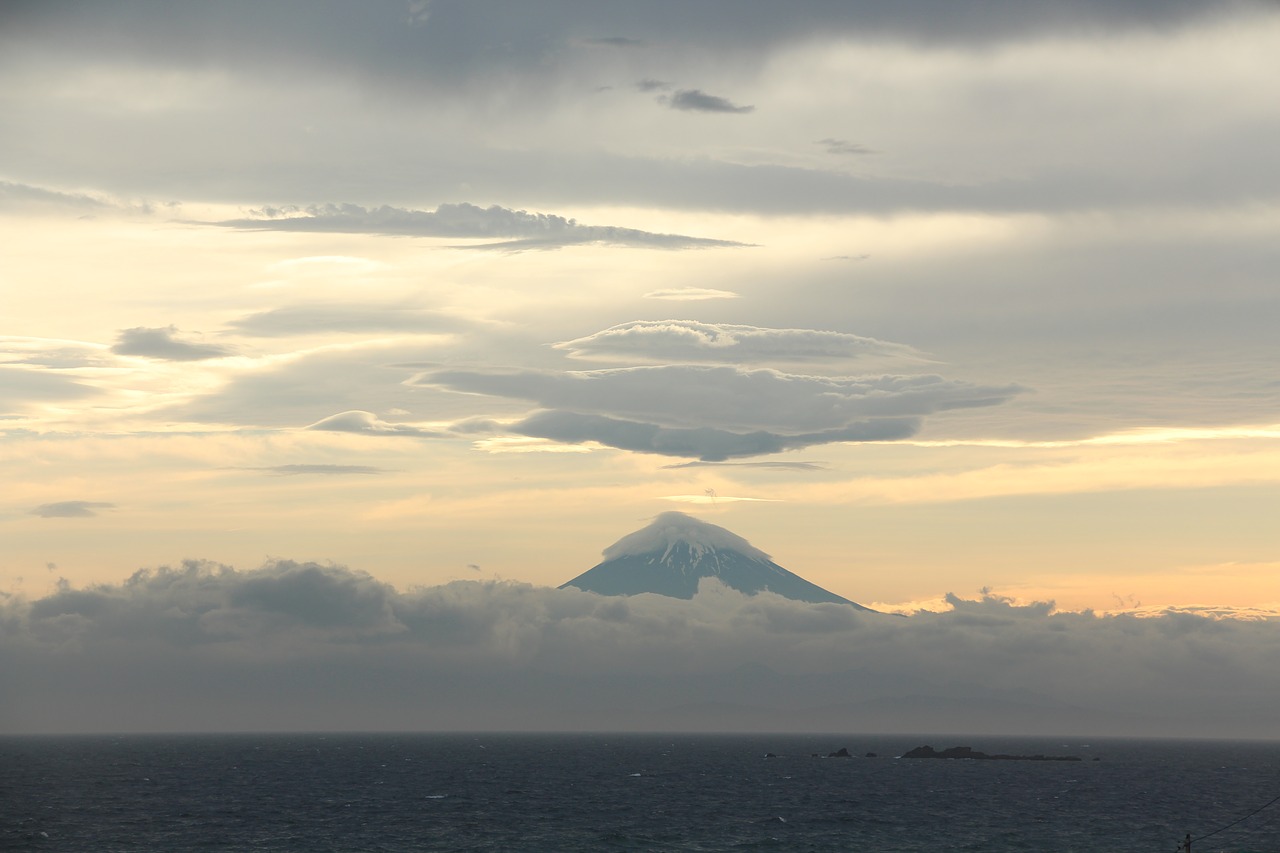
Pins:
x,y
676,551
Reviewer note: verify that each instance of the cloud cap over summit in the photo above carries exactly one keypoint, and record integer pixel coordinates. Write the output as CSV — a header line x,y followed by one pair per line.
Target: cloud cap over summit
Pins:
x,y
676,552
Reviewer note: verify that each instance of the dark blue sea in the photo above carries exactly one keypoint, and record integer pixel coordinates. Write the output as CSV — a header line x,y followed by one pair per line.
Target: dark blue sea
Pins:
x,y
596,792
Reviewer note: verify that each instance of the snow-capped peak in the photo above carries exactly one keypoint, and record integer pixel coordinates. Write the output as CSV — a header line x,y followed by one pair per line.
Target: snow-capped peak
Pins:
x,y
676,552
670,529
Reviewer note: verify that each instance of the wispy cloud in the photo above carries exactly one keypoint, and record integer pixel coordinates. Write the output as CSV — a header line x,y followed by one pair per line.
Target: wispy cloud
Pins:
x,y
614,41
691,340
1144,435
843,146
367,423
695,100
417,12
20,197
312,384
165,343
22,386
714,499
71,509
518,229
319,469
690,294
783,466
293,320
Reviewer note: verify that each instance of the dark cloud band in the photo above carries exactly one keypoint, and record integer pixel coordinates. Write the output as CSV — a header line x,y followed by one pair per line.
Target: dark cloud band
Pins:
x,y
216,648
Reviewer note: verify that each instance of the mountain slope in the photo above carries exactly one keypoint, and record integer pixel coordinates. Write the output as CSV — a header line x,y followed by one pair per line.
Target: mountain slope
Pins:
x,y
676,551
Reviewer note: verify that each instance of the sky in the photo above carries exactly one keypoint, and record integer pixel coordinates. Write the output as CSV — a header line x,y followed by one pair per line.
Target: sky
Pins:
x,y
335,329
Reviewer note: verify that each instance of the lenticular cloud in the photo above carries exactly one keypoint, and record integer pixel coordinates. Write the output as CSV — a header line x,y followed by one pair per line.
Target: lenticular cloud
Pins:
x,y
689,340
716,412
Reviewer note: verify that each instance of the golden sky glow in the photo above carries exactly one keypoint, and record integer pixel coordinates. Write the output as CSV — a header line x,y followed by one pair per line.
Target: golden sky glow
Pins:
x,y
258,310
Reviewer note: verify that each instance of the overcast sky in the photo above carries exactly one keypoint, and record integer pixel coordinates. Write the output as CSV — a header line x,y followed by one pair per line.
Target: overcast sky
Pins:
x,y
442,298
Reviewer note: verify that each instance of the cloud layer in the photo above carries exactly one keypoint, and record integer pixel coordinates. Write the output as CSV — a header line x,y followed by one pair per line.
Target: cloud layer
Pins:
x,y
203,646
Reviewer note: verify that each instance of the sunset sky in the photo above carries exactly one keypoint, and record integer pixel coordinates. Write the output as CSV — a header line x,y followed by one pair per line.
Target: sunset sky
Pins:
x,y
920,298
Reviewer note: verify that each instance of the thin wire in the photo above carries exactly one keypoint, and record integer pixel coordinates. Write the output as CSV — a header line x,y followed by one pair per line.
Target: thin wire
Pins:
x,y
1234,822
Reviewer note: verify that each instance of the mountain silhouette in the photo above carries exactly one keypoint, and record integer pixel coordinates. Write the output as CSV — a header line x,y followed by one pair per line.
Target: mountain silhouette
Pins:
x,y
676,551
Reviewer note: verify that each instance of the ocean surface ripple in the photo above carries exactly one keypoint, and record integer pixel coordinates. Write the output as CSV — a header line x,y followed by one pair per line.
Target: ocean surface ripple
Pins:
x,y
502,792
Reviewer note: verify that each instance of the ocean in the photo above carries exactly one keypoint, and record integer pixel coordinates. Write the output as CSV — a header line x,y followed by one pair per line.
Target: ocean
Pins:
x,y
602,792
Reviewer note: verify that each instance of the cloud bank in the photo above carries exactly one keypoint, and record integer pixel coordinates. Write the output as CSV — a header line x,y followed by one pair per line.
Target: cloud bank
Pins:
x,y
303,645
